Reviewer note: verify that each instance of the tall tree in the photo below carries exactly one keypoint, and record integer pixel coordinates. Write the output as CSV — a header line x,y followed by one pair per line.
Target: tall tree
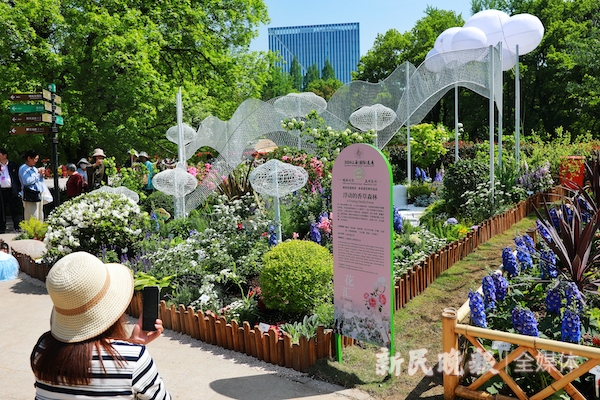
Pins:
x,y
118,65
296,73
327,72
312,74
323,88
279,82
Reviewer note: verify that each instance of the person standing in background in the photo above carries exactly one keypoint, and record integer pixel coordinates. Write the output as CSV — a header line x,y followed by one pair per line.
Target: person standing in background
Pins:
x,y
82,170
10,186
143,157
75,184
32,178
96,173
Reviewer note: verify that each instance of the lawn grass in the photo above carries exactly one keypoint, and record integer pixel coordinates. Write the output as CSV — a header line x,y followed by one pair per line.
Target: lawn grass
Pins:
x,y
419,326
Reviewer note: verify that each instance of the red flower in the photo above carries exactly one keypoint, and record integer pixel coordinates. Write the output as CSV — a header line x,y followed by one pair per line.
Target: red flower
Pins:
x,y
596,341
372,302
382,299
366,296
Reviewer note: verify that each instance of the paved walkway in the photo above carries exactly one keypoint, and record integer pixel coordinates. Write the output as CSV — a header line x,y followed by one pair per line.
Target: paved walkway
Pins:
x,y
190,368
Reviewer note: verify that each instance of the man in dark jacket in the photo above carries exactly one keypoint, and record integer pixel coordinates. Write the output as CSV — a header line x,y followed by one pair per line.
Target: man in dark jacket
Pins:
x,y
10,187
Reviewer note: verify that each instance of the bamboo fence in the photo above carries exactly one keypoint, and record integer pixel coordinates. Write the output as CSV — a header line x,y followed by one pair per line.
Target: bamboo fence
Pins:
x,y
536,347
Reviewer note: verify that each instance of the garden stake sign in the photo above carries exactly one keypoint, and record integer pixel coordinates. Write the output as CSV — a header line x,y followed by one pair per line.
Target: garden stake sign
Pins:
x,y
363,276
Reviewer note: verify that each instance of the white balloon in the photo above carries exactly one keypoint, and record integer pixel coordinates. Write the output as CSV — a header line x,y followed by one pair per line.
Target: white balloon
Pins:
x,y
468,38
509,59
490,22
434,61
443,43
524,30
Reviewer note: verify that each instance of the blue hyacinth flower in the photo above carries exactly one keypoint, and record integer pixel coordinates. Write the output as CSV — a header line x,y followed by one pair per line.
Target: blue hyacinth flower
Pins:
x,y
543,231
314,233
501,286
397,220
489,292
509,262
570,330
524,322
272,236
573,296
524,258
477,309
553,300
548,264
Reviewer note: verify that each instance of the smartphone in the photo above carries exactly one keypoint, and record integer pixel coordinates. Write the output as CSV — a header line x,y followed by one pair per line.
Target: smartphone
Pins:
x,y
150,296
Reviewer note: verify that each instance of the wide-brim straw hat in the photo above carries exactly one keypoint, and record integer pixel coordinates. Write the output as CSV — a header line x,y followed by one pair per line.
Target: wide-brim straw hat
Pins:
x,y
143,154
83,161
88,295
99,152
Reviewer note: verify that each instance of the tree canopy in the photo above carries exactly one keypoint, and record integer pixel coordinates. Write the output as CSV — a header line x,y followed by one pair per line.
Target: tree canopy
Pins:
x,y
118,65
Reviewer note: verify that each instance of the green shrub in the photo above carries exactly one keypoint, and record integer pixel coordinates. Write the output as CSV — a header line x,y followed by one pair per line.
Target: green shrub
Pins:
x,y
32,229
462,176
158,200
416,189
296,276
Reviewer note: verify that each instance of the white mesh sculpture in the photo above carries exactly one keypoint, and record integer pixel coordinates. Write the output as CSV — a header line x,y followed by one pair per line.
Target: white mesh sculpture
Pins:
x,y
122,190
175,182
277,179
374,117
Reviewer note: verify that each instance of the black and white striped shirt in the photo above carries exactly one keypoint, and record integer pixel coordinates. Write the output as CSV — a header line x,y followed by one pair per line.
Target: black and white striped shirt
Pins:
x,y
137,379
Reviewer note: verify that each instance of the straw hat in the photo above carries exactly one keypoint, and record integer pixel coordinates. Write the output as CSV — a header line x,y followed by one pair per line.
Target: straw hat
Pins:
x,y
88,295
143,154
99,152
83,161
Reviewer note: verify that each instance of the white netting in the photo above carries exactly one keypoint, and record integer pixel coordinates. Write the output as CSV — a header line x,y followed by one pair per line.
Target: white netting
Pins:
x,y
189,134
120,190
409,91
276,178
175,182
374,117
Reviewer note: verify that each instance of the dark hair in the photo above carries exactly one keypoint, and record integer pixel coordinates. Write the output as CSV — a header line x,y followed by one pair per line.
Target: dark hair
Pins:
x,y
4,246
71,363
3,150
30,154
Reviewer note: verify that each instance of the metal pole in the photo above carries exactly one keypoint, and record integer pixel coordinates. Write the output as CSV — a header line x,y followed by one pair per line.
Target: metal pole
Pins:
x,y
455,123
491,127
54,129
181,162
500,109
408,161
517,111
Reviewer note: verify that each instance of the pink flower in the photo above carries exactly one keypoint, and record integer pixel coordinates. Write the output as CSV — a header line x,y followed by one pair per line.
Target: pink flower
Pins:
x,y
382,299
366,296
372,302
192,170
295,235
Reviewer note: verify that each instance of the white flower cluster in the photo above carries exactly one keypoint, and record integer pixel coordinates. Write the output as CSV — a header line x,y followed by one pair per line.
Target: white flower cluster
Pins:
x,y
92,220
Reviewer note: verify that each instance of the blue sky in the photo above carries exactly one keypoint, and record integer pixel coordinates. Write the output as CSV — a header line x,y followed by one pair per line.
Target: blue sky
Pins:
x,y
374,16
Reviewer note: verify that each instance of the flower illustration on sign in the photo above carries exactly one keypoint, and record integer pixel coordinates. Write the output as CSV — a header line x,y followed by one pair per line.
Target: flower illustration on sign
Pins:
x,y
376,299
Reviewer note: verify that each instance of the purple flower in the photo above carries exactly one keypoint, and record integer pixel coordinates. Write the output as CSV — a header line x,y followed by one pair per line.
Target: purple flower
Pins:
x,y
397,220
501,285
451,221
543,231
570,330
509,262
315,235
272,236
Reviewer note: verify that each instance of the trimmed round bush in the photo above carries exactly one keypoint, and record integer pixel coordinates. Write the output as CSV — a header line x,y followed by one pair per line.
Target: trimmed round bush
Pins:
x,y
297,275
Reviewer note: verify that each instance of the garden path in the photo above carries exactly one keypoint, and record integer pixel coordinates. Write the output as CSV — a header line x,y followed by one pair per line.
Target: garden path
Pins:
x,y
191,369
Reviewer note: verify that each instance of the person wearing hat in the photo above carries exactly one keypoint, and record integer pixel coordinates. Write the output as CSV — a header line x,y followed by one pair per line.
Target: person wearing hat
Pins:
x,y
96,173
143,157
87,352
82,165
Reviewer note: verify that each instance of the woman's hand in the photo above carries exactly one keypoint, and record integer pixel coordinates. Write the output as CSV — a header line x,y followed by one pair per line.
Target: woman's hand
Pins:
x,y
140,336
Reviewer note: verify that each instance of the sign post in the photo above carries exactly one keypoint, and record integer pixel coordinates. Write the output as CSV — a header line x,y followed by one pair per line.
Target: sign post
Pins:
x,y
363,276
26,116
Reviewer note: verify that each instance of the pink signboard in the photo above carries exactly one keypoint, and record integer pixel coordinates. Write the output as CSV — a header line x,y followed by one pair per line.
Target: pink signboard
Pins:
x,y
362,245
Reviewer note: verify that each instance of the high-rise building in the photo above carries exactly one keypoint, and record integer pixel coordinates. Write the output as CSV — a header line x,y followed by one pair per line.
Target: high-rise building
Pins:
x,y
338,43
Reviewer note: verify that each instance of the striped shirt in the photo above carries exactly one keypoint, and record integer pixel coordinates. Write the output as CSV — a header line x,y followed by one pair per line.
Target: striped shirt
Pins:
x,y
136,379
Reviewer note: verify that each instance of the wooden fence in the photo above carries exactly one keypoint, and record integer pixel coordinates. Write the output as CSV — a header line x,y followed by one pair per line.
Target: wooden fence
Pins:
x,y
417,278
540,350
270,347
267,346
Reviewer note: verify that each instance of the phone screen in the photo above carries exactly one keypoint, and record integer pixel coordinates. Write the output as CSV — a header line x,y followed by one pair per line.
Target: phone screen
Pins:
x,y
150,296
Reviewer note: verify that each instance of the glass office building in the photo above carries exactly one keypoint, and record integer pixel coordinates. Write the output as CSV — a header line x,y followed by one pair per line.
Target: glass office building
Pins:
x,y
338,43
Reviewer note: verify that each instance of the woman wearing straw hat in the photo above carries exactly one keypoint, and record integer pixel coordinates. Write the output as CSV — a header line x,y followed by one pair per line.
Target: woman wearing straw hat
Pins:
x,y
87,353
96,173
